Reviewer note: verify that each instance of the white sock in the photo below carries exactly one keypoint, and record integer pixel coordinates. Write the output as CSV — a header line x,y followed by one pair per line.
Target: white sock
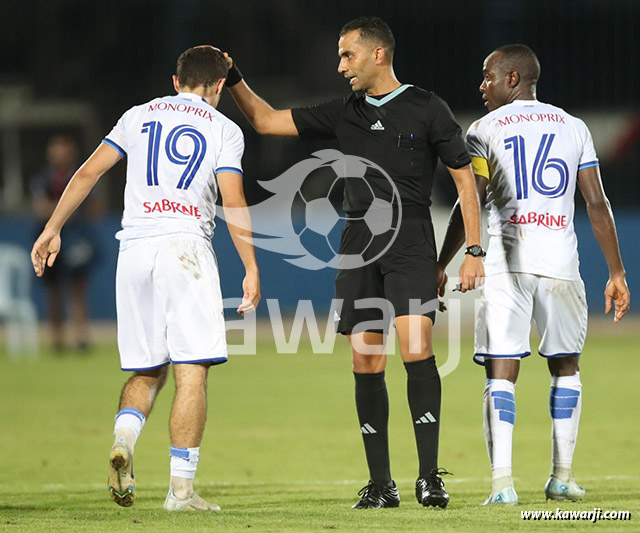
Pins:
x,y
499,418
565,404
184,463
129,424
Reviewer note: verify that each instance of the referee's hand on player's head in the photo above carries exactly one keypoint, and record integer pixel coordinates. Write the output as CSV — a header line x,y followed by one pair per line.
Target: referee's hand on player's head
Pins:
x,y
229,59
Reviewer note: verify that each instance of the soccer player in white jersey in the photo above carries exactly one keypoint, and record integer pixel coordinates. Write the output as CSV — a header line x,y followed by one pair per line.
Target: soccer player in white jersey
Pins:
x,y
180,153
528,157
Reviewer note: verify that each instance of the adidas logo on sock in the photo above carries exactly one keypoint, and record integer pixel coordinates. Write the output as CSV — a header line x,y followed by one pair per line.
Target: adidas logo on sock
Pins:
x,y
377,126
368,430
426,418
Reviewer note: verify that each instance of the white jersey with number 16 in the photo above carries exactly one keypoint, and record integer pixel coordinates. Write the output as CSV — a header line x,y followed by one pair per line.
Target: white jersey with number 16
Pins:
x,y
531,153
174,146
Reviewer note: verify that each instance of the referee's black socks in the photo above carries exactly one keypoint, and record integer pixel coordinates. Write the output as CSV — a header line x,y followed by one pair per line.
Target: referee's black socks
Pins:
x,y
424,392
372,404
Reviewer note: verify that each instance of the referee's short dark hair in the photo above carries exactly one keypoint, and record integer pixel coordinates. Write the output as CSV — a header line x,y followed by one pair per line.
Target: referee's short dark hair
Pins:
x,y
519,58
201,65
373,29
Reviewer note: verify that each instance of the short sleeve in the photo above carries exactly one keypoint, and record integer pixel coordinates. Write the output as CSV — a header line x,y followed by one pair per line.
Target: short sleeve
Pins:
x,y
319,121
588,157
476,141
445,134
232,150
479,149
117,137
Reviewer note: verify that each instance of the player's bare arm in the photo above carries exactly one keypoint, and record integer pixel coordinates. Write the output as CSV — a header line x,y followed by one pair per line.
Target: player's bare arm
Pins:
x,y
604,228
472,270
239,224
47,246
265,119
455,235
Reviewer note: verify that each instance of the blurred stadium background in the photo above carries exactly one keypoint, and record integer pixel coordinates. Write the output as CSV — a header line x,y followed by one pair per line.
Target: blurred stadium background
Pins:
x,y
71,67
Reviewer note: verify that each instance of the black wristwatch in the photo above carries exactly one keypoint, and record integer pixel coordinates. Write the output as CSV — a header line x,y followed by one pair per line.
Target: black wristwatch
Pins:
x,y
475,251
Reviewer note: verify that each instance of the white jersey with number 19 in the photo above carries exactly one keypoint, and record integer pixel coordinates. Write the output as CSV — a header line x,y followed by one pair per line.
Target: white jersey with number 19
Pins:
x,y
174,146
531,153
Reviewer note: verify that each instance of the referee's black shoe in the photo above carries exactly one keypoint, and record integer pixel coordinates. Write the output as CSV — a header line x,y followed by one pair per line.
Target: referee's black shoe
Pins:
x,y
375,496
430,490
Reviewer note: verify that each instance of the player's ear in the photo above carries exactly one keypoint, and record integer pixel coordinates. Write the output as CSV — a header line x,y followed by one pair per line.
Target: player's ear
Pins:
x,y
220,85
378,55
176,84
514,79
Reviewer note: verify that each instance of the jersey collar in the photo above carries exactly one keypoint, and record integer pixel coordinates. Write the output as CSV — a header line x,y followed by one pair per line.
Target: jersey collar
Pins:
x,y
387,98
191,96
526,102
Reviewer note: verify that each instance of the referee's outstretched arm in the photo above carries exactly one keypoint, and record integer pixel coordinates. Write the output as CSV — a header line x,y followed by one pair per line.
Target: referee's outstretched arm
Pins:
x,y
265,119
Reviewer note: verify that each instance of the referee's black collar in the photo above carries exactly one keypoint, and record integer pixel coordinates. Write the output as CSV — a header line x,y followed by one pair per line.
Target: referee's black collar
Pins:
x,y
387,98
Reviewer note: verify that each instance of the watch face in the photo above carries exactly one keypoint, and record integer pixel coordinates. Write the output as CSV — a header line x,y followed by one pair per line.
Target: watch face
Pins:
x,y
475,251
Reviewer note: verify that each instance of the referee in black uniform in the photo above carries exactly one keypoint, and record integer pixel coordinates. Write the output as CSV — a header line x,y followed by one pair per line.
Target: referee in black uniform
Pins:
x,y
403,129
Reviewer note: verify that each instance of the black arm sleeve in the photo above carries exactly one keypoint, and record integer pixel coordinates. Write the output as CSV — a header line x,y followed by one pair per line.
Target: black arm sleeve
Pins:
x,y
319,121
445,134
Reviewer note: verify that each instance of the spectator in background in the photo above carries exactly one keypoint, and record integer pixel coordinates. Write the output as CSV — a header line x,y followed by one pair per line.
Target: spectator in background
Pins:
x,y
72,267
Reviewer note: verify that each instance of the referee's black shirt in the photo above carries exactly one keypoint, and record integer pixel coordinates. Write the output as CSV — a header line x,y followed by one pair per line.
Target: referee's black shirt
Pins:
x,y
402,132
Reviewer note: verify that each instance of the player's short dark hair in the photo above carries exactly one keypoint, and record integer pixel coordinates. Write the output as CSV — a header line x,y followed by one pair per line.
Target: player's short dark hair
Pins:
x,y
201,65
520,58
373,29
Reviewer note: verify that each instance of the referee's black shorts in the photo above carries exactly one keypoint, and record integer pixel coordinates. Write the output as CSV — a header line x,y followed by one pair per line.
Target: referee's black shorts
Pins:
x,y
405,276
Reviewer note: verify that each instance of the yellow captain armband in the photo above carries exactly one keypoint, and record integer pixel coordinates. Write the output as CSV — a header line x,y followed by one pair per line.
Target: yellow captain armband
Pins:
x,y
480,166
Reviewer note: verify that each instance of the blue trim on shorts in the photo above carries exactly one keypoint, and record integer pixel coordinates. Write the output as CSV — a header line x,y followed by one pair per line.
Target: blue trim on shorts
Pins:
x,y
490,355
559,355
214,361
498,356
147,368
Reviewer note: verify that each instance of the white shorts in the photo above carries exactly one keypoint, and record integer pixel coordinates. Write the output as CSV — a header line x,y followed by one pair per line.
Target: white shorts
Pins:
x,y
509,302
169,303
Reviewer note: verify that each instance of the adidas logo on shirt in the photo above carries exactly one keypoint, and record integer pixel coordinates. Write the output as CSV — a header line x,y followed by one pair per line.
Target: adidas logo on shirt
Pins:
x,y
377,126
426,418
368,430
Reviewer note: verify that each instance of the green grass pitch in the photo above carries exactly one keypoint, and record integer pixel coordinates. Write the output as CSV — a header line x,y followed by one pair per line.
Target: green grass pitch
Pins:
x,y
282,450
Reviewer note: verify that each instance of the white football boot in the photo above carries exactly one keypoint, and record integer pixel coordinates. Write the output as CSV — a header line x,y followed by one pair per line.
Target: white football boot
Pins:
x,y
506,496
193,502
558,490
122,483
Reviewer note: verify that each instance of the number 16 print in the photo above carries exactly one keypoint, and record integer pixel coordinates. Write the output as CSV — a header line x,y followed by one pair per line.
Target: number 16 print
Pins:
x,y
542,162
